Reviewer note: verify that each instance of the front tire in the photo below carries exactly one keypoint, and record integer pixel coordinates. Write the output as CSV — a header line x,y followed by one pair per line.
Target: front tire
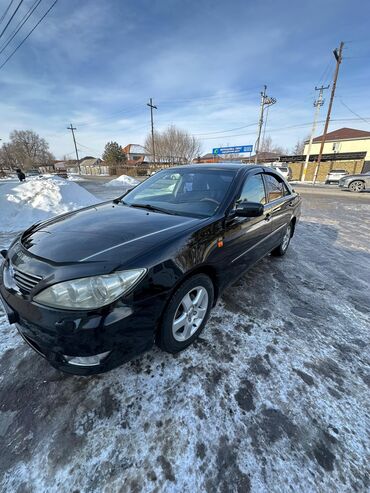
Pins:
x,y
357,186
281,250
186,314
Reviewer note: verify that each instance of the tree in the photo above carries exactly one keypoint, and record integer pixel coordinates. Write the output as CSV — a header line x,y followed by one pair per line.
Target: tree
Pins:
x,y
113,154
173,145
299,147
26,150
268,146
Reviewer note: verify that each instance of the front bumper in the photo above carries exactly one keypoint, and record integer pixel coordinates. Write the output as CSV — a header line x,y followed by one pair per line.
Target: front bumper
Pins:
x,y
123,330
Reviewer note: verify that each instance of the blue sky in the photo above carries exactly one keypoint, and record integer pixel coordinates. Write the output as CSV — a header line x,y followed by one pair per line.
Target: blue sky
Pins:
x,y
96,63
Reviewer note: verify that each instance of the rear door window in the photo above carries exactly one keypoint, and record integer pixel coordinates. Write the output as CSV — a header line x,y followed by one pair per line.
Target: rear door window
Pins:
x,y
276,187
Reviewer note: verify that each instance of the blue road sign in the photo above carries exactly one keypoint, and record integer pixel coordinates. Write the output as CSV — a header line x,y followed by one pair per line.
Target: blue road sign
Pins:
x,y
232,150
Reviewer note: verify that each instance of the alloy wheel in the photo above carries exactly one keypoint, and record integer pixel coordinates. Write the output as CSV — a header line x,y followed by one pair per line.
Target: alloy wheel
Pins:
x,y
357,186
286,238
190,313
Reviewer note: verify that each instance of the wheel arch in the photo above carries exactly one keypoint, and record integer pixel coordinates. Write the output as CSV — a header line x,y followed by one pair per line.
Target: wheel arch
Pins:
x,y
357,179
209,271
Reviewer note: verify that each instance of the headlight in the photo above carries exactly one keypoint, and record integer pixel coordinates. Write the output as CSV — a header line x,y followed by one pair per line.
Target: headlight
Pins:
x,y
89,292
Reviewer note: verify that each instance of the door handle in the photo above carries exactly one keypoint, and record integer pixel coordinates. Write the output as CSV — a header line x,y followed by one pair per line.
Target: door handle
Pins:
x,y
267,217
291,204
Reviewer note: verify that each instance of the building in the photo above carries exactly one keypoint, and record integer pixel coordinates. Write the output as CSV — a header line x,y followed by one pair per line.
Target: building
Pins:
x,y
207,158
345,148
136,154
88,165
263,157
342,141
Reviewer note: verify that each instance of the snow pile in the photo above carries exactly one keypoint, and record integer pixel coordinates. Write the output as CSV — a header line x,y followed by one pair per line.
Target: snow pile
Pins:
x,y
75,177
37,199
123,180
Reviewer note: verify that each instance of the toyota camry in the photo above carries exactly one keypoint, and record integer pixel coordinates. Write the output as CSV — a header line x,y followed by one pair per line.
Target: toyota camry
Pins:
x,y
91,289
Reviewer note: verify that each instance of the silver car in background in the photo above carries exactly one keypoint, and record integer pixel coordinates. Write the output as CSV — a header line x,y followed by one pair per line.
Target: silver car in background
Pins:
x,y
335,175
285,171
356,183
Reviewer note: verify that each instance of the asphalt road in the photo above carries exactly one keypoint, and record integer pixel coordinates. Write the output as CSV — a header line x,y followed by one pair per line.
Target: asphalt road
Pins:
x,y
273,397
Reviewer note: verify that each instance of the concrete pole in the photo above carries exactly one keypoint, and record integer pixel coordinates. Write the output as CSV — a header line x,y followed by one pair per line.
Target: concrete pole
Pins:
x,y
318,103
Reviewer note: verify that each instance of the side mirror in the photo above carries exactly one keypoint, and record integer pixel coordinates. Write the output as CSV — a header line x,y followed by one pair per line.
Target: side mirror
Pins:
x,y
249,209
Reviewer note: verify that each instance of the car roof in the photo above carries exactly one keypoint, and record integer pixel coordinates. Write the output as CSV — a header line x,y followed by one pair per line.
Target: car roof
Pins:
x,y
218,166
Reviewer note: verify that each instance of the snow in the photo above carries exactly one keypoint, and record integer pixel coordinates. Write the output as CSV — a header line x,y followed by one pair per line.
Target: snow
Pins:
x,y
37,199
75,177
272,396
123,180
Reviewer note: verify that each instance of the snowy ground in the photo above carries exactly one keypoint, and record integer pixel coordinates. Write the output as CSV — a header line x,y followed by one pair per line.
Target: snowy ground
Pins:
x,y
273,397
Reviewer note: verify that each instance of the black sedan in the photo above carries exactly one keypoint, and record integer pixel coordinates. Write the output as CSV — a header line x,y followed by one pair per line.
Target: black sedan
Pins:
x,y
93,288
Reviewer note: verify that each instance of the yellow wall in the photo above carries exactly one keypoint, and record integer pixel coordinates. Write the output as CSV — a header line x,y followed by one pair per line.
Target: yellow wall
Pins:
x,y
353,145
352,167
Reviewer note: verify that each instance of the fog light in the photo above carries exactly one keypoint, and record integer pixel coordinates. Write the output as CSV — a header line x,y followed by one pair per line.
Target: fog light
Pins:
x,y
86,360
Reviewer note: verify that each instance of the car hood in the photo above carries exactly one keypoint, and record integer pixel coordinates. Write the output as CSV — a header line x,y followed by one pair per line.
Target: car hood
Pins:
x,y
101,232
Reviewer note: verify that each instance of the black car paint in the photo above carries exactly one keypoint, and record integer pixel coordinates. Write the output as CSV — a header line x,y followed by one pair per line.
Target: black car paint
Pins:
x,y
110,236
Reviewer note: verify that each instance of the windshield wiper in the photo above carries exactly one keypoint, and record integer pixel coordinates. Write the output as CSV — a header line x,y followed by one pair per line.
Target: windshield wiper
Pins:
x,y
153,208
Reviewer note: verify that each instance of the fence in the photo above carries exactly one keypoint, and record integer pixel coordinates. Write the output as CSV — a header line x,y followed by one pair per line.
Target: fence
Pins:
x,y
353,167
140,170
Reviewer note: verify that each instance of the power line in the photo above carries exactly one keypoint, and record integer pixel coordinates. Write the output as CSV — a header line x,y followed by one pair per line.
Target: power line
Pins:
x,y
11,18
6,11
28,35
290,127
224,131
21,24
209,97
354,113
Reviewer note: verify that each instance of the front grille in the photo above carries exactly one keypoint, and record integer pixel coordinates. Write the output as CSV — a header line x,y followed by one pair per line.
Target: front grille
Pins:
x,y
25,281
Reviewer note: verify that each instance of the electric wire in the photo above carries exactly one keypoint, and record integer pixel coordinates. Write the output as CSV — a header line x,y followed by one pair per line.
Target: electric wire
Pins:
x,y
28,35
11,18
6,11
353,112
20,25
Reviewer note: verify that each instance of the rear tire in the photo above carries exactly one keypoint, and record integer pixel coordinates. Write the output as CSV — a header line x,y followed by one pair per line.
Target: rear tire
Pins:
x,y
357,186
186,314
281,250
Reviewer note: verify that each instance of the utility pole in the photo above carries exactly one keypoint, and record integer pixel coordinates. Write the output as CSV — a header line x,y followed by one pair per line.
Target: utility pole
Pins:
x,y
265,102
318,103
151,106
338,58
72,129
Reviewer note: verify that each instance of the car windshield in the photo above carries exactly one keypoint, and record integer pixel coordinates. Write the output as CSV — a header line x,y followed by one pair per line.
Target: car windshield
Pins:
x,y
186,192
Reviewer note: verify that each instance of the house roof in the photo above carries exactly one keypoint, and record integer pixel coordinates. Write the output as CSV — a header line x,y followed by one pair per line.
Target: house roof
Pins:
x,y
90,161
344,134
134,149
